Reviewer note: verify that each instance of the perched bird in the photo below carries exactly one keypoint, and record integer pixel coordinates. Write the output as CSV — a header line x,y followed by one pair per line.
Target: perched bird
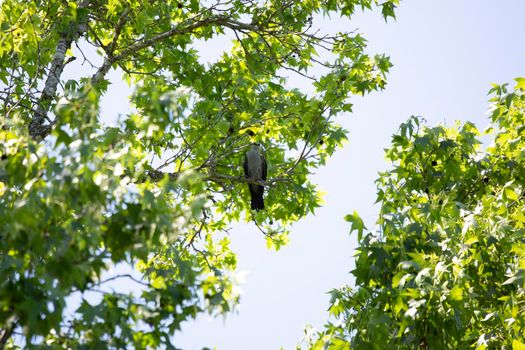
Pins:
x,y
255,169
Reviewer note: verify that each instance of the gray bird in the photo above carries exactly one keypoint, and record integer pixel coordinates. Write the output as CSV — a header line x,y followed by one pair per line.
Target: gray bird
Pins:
x,y
255,169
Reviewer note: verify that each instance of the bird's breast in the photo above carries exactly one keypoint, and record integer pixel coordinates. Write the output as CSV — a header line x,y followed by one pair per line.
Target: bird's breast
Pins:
x,y
254,164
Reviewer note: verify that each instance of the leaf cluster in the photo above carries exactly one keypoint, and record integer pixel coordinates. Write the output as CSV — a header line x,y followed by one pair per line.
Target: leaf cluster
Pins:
x,y
446,267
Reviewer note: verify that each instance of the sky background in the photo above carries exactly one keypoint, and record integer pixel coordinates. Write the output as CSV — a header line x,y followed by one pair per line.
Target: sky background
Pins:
x,y
446,55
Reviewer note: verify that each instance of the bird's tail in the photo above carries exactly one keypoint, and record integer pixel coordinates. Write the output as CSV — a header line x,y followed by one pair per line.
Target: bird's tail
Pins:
x,y
257,202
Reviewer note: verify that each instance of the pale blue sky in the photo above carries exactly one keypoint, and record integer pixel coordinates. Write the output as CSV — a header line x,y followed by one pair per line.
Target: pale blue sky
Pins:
x,y
446,54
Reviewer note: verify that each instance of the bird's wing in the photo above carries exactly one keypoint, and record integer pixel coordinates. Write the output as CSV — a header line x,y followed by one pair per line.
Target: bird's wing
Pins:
x,y
264,167
245,165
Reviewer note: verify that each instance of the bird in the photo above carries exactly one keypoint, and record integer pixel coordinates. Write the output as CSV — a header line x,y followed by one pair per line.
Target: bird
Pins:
x,y
255,169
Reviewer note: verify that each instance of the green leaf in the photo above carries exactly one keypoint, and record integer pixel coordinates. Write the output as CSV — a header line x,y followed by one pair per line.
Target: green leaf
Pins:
x,y
517,345
520,83
456,293
158,283
511,194
356,224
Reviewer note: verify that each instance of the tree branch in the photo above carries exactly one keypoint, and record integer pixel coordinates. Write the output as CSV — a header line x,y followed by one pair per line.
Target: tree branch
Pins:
x,y
37,129
126,275
228,178
178,30
6,332
157,175
141,44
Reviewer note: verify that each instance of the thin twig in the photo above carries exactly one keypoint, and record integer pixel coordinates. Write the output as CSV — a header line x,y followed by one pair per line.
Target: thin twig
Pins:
x,y
126,275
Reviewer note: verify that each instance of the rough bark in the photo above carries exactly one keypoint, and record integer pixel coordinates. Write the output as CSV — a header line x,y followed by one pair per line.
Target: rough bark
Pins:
x,y
6,332
38,129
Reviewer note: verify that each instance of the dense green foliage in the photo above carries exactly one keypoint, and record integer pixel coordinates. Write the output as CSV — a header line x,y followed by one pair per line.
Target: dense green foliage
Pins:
x,y
159,190
446,268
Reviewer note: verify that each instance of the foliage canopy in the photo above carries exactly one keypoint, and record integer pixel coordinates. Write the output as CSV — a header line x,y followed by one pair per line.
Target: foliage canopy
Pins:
x,y
159,189
446,267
